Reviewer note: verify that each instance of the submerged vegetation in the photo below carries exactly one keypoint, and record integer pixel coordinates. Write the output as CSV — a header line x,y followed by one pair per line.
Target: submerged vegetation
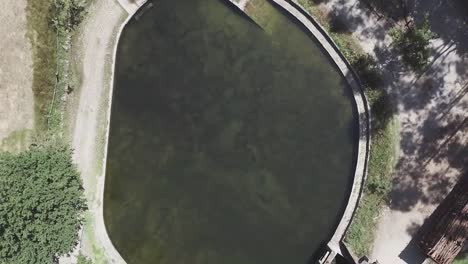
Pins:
x,y
221,142
360,234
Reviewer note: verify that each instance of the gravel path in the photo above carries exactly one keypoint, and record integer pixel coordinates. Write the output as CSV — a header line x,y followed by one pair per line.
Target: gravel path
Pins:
x,y
95,46
432,110
16,95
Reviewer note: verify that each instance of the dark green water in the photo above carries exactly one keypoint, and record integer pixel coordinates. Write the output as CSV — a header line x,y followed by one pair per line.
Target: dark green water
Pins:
x,y
228,144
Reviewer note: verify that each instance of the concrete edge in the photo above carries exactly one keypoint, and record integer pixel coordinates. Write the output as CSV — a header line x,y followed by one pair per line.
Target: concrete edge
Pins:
x,y
111,253
364,117
363,109
132,6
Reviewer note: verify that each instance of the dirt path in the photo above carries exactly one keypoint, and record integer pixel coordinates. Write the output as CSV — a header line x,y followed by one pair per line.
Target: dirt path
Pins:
x,y
16,96
432,110
95,47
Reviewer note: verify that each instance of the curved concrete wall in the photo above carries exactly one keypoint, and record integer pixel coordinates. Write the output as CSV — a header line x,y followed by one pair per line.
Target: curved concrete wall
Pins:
x,y
112,254
299,13
343,65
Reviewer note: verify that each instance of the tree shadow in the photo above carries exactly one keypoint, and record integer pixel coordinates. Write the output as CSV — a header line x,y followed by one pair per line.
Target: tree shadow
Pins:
x,y
431,104
343,20
320,1
413,228
432,162
448,19
412,254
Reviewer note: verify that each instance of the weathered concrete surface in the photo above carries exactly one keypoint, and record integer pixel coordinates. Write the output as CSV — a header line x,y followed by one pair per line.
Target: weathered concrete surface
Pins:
x,y
363,115
132,6
241,4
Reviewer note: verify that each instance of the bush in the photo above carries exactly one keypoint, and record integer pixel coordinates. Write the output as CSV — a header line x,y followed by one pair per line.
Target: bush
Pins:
x,y
68,14
412,42
41,204
368,71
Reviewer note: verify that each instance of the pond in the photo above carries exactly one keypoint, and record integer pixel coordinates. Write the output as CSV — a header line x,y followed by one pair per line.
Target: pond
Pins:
x,y
229,143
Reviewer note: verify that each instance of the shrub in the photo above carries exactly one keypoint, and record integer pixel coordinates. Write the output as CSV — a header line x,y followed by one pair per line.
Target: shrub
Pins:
x,y
68,14
412,42
368,71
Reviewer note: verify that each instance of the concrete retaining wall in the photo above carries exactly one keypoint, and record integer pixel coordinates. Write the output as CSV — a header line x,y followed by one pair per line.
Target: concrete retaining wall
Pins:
x,y
299,13
112,255
343,65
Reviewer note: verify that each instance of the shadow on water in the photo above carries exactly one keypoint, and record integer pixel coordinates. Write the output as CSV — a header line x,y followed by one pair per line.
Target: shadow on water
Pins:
x,y
239,12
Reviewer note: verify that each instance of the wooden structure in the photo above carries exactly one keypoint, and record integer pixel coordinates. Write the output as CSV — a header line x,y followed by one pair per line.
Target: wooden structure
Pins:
x,y
442,236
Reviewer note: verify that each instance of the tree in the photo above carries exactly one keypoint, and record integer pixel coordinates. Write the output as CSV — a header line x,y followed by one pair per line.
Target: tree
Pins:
x,y
412,42
41,204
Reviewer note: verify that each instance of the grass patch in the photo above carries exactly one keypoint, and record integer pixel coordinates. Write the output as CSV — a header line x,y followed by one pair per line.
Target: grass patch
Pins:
x,y
50,26
361,233
461,261
16,141
43,41
462,258
98,256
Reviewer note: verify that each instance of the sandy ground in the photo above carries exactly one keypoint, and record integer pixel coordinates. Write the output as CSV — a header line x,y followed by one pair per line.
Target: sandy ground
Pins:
x,y
16,96
432,110
95,46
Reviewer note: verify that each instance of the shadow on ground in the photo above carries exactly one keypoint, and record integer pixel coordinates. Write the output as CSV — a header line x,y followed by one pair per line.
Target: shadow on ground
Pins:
x,y
431,104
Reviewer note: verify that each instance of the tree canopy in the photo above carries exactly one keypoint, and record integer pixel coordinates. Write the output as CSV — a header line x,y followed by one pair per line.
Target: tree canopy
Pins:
x,y
41,204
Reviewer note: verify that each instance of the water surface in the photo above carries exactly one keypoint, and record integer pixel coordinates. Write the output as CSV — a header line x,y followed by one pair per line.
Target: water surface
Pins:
x,y
229,144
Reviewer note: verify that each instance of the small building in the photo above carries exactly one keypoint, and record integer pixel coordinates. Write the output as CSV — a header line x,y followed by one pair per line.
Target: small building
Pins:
x,y
444,233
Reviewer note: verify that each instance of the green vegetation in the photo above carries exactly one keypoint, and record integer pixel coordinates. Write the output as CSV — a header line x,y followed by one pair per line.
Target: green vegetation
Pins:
x,y
97,253
41,206
68,14
50,27
43,41
41,195
412,42
16,141
360,235
461,261
462,258
83,260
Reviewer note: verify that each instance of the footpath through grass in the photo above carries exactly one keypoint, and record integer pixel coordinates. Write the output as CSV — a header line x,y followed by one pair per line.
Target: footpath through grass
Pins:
x,y
361,233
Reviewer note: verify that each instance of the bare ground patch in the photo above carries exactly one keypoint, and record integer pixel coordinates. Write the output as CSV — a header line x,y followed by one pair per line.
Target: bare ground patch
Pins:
x,y
16,96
